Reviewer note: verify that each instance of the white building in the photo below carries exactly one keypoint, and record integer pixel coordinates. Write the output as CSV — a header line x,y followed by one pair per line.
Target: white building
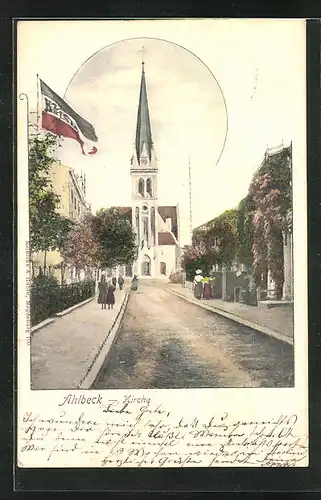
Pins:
x,y
156,226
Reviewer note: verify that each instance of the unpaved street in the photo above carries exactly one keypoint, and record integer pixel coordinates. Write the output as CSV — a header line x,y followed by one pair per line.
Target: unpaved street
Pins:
x,y
165,342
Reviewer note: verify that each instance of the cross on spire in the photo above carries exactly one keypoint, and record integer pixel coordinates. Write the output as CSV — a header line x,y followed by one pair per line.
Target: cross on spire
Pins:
x,y
143,51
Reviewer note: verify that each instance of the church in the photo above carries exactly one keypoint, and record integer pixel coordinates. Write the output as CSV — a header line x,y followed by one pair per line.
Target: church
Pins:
x,y
156,226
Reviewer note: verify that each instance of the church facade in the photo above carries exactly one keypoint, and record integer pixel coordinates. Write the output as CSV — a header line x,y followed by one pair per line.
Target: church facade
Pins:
x,y
156,226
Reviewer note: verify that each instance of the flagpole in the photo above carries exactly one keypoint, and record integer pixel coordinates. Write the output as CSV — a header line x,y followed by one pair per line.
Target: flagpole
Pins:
x,y
38,103
24,97
190,197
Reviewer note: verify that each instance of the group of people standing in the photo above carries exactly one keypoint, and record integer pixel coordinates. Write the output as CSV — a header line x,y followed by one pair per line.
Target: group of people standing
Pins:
x,y
201,289
106,290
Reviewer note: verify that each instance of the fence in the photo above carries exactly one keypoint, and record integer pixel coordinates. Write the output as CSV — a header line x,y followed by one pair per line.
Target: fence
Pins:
x,y
49,299
231,287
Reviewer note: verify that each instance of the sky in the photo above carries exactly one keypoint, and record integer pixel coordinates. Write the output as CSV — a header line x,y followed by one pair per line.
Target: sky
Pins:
x,y
220,92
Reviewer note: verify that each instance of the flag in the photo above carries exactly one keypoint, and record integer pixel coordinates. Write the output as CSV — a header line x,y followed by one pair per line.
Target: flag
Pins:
x,y
60,119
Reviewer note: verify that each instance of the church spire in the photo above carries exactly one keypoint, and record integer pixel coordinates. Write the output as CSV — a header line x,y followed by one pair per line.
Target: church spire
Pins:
x,y
143,128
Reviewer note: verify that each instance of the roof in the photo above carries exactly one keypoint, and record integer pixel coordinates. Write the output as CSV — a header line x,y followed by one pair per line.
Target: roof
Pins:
x,y
166,238
270,152
143,128
125,210
169,212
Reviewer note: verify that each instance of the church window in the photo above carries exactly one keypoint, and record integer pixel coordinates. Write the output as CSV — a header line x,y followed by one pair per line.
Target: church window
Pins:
x,y
145,208
141,186
153,224
149,187
137,221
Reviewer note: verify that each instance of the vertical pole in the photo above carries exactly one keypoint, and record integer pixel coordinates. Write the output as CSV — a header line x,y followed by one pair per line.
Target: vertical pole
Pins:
x,y
38,105
190,197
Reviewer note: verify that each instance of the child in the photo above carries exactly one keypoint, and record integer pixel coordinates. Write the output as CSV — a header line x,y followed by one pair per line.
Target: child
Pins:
x,y
111,296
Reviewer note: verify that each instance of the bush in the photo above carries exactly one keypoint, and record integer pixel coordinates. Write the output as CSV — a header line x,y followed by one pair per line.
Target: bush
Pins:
x,y
47,296
176,277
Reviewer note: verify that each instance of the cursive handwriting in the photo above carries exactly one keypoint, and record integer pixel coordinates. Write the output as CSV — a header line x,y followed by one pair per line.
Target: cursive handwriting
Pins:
x,y
147,435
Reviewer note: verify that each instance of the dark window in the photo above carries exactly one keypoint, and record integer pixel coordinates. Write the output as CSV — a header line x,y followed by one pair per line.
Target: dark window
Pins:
x,y
141,186
163,267
149,187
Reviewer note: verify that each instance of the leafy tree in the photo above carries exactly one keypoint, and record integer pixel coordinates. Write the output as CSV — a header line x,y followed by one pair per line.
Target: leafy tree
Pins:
x,y
80,249
217,241
271,193
43,201
245,231
193,259
115,236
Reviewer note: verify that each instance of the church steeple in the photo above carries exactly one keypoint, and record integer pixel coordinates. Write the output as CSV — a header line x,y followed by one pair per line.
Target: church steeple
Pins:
x,y
144,142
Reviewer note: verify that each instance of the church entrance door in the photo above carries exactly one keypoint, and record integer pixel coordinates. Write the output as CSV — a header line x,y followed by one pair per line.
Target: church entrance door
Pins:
x,y
163,268
146,266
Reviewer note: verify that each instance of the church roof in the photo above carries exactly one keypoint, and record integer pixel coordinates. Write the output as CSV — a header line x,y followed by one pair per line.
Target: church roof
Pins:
x,y
165,238
143,128
169,212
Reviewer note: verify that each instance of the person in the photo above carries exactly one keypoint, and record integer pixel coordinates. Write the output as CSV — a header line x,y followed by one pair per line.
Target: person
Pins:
x,y
102,292
114,281
198,284
134,285
111,296
207,292
120,282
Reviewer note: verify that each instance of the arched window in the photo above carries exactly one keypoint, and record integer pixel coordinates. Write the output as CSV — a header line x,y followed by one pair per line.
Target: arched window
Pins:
x,y
149,187
153,223
141,186
146,266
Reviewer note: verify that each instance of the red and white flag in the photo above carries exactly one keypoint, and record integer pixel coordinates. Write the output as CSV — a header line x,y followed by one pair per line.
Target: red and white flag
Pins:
x,y
60,119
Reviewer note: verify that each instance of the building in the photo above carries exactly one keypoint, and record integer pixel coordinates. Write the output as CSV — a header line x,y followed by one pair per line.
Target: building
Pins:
x,y
71,189
156,226
281,159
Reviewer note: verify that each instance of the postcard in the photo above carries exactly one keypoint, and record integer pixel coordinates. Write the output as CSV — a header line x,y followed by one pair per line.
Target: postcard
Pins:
x,y
162,243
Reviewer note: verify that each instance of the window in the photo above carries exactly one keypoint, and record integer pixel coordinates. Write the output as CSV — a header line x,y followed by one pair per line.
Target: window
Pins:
x,y
169,223
141,186
163,268
149,187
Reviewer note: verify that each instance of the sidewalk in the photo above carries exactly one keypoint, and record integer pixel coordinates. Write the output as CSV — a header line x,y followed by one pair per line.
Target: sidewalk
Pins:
x,y
276,322
64,352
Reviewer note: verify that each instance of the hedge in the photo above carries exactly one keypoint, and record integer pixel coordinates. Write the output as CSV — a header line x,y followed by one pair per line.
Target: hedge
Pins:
x,y
48,297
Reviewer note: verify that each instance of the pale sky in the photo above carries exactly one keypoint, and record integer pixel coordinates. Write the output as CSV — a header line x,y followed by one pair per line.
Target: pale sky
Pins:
x,y
194,68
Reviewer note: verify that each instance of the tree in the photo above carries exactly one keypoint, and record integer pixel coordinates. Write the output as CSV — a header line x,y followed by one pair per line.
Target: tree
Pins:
x,y
271,193
115,236
48,229
80,249
217,240
43,201
193,259
245,231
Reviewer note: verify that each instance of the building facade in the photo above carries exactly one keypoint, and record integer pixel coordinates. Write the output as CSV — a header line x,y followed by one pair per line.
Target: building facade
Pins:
x,y
71,189
156,226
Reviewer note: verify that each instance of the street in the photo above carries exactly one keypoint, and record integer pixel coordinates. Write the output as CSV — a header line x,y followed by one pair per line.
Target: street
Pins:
x,y
165,342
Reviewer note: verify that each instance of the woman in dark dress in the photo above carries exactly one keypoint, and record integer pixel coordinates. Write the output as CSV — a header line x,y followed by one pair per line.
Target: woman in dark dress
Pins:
x,y
102,295
114,281
120,282
207,291
111,296
134,284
